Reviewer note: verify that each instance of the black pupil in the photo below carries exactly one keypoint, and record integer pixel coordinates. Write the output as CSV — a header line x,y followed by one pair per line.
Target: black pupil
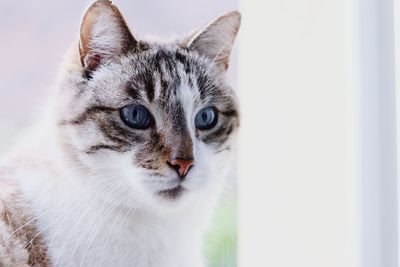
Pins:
x,y
205,119
136,116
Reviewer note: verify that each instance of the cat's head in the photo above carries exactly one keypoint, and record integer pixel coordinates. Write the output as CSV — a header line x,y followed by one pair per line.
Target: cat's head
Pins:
x,y
148,120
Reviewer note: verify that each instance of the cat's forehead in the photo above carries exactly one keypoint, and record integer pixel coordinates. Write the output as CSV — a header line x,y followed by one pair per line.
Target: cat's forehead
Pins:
x,y
158,74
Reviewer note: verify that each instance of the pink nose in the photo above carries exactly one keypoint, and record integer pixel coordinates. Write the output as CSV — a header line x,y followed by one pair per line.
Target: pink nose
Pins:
x,y
182,166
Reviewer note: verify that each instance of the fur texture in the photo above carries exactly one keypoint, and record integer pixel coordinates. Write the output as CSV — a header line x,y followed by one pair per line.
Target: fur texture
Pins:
x,y
20,241
88,190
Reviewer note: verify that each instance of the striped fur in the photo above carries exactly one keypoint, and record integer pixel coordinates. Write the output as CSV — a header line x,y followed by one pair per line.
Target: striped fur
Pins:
x,y
156,78
20,243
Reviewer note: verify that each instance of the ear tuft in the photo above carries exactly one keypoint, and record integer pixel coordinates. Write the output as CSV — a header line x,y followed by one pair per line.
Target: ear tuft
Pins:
x,y
216,39
104,34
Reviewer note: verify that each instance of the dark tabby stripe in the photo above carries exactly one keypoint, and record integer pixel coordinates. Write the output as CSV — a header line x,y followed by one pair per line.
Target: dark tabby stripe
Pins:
x,y
230,113
95,148
133,92
180,57
116,133
145,81
89,114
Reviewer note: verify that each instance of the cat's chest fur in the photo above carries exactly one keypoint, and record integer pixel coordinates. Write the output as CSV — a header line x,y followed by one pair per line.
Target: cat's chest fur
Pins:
x,y
73,230
96,236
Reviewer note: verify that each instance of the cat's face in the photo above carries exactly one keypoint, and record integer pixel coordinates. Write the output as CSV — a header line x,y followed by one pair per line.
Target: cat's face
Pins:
x,y
150,121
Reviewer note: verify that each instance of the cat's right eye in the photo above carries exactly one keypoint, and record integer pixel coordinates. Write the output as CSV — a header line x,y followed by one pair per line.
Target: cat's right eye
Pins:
x,y
136,117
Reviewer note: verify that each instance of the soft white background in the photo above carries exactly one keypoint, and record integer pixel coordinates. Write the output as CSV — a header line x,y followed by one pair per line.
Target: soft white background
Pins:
x,y
294,186
318,174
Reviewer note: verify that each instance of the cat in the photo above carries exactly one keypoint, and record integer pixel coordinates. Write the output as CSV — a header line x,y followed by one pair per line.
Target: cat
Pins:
x,y
127,162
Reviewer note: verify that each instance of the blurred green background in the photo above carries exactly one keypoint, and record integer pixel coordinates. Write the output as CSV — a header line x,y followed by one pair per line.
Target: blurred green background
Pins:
x,y
221,240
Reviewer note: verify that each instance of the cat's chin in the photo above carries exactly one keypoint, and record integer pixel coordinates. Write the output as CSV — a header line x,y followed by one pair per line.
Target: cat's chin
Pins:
x,y
173,199
172,193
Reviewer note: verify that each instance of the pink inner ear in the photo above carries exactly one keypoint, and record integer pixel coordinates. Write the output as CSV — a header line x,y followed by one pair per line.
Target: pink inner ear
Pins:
x,y
94,61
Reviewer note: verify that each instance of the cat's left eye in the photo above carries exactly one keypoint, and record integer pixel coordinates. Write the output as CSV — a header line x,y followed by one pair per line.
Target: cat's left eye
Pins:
x,y
136,116
206,118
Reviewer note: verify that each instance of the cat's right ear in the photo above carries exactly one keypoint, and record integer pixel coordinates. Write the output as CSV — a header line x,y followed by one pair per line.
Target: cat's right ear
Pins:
x,y
104,35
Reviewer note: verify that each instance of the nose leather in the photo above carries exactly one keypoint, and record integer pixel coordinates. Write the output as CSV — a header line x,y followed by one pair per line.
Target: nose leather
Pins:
x,y
182,166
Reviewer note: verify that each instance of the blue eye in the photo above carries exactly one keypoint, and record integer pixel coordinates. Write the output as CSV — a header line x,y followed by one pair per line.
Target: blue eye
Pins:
x,y
136,116
206,118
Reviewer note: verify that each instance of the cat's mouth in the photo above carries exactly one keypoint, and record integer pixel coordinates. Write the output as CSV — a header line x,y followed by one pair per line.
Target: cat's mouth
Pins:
x,y
172,193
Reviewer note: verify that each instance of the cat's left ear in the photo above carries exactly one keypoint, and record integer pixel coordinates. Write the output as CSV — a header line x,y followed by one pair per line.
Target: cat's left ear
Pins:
x,y
104,35
216,39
